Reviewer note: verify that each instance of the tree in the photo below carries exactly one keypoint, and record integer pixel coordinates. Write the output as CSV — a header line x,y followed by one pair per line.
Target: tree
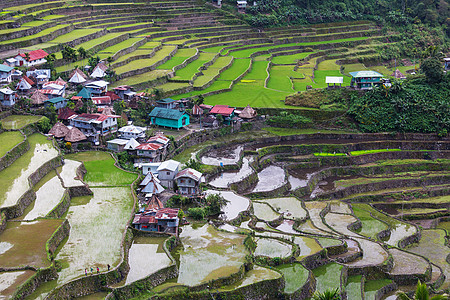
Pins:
x,y
118,107
27,56
83,53
420,294
433,69
197,213
215,203
200,99
44,125
93,61
327,295
109,60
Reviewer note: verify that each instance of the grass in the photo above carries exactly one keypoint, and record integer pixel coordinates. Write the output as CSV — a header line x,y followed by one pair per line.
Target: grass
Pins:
x,y
19,121
212,71
290,58
190,69
295,131
146,62
34,36
74,34
101,170
178,58
362,152
329,154
9,140
238,67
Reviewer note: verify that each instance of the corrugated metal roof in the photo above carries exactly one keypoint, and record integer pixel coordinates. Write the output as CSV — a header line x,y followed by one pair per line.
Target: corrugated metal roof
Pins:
x,y
35,55
191,173
365,74
5,68
223,110
166,113
149,146
170,165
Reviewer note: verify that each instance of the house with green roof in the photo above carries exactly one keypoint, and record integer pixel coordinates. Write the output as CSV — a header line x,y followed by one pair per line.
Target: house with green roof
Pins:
x,y
167,103
365,80
5,73
85,94
58,102
168,118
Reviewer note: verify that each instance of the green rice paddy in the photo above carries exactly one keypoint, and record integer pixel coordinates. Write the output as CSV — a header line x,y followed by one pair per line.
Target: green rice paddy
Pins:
x,y
327,277
178,58
146,62
295,276
18,121
190,69
9,140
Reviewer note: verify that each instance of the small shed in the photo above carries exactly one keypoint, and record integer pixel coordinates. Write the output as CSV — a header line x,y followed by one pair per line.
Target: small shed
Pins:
x,y
332,81
59,130
75,135
248,113
197,110
116,145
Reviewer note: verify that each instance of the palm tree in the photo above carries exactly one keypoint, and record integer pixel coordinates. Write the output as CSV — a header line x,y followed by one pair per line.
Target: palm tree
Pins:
x,y
421,294
327,295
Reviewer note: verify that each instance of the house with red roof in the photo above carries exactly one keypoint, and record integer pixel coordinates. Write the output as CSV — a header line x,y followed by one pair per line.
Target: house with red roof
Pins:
x,y
188,181
162,220
36,57
95,125
101,101
124,92
225,111
152,151
25,84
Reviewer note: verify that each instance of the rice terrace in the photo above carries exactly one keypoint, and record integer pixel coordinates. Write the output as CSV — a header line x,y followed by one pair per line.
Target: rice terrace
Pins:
x,y
221,149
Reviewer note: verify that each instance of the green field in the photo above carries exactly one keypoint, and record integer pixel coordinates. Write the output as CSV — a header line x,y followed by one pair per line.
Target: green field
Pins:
x,y
19,121
9,140
37,35
290,58
178,58
188,72
146,62
212,71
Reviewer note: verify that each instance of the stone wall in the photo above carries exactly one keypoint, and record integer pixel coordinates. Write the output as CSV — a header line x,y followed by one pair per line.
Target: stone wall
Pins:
x,y
13,154
56,239
41,276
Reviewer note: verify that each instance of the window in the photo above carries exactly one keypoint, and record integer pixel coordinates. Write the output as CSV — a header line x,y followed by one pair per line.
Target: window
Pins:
x,y
181,180
167,173
189,181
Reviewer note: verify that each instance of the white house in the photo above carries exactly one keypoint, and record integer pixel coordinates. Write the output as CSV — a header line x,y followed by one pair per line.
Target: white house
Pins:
x,y
5,73
167,171
36,57
99,70
132,132
54,89
116,145
7,97
150,167
95,125
25,84
97,87
42,75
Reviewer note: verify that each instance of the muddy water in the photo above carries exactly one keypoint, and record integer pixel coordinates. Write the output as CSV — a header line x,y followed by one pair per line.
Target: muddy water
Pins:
x,y
10,281
286,226
314,208
224,156
146,256
235,204
264,212
227,178
209,254
400,231
47,197
270,179
69,173
340,207
257,274
308,227
307,245
15,177
272,248
94,240
289,206
373,254
326,185
406,263
340,222
327,277
299,177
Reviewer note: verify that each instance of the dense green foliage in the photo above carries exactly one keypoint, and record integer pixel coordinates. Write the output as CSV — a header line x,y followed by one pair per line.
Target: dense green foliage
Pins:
x,y
411,106
286,120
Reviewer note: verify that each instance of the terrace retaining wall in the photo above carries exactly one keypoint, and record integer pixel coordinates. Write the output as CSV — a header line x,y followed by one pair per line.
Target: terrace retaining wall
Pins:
x,y
41,276
56,239
13,154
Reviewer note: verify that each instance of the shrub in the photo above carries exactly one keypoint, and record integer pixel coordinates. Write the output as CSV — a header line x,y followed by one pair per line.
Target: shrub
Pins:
x,y
44,125
197,213
288,121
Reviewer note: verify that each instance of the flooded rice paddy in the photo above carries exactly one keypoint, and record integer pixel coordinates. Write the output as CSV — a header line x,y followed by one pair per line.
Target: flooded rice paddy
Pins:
x,y
295,276
255,275
10,281
263,211
223,156
235,204
290,207
406,263
227,178
353,287
272,248
327,277
14,179
69,173
270,179
16,122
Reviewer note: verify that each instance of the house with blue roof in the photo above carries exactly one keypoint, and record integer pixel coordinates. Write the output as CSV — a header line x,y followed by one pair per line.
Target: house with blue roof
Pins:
x,y
365,80
5,73
169,118
58,102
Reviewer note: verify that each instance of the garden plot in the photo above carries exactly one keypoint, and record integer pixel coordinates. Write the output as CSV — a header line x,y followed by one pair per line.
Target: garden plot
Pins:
x,y
101,169
290,207
432,245
327,277
146,256
10,281
407,264
255,275
235,204
15,122
9,140
295,276
94,240
340,223
47,197
264,212
223,156
69,173
14,178
314,208
269,179
209,254
145,62
373,254
227,178
272,248
24,243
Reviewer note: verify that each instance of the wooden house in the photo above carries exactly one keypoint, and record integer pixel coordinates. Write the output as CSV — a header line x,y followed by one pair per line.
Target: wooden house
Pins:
x,y
365,80
7,96
169,118
99,70
75,135
59,130
37,98
167,171
162,220
97,88
77,77
95,125
248,113
188,181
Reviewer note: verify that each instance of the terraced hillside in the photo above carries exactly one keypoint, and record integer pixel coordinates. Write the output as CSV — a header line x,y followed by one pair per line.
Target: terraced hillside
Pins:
x,y
186,48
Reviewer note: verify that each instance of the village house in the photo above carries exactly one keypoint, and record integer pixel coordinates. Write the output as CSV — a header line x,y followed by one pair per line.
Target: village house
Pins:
x,y
65,114
225,111
101,101
25,84
159,138
95,125
99,71
168,103
162,220
5,74
59,130
167,171
150,167
210,121
41,76
169,118
77,77
116,145
151,151
75,136
84,94
188,181
131,145
57,103
36,57
54,89
151,186
124,92
37,98
7,97
132,132
97,88
16,74
248,113
365,80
